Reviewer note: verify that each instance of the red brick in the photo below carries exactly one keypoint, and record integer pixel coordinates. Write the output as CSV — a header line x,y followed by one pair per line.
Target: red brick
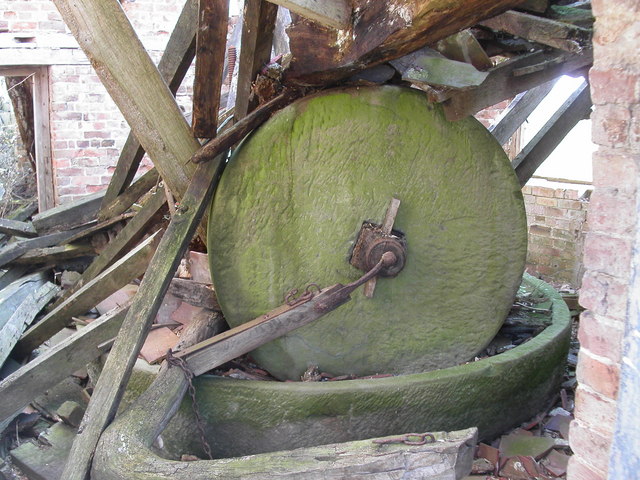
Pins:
x,y
612,168
612,211
549,202
604,294
590,445
553,212
571,194
579,470
24,26
608,255
539,230
611,125
526,190
600,336
570,204
598,412
626,86
542,191
600,374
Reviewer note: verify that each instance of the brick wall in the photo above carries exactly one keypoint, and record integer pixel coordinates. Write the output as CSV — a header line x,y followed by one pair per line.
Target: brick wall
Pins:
x,y
613,222
557,222
87,129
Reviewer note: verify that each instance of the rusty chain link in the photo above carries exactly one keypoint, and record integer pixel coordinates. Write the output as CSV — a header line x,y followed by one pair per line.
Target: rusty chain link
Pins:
x,y
188,375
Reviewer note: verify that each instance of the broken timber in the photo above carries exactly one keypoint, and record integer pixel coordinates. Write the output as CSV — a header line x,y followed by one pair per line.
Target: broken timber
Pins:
x,y
194,293
117,370
577,107
129,196
16,228
68,216
332,13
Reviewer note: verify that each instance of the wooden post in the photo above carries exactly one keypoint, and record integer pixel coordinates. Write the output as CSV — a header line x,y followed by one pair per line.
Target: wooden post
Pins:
x,y
44,166
211,41
258,23
574,109
135,84
117,370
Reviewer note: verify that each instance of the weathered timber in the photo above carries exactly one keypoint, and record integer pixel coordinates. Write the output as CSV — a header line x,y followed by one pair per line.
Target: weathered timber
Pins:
x,y
14,250
22,318
96,227
258,24
126,239
11,275
128,197
173,67
41,120
542,30
464,47
241,129
538,6
518,111
577,107
512,77
379,34
69,215
109,41
53,255
89,295
211,41
332,13
194,293
16,228
56,363
117,370
429,67
20,215
15,293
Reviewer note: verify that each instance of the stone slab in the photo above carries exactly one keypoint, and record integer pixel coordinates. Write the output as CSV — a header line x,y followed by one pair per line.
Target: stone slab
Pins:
x,y
45,462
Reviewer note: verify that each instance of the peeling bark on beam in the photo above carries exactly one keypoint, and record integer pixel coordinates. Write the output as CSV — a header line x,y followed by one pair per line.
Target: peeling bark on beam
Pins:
x,y
331,13
574,109
258,24
512,77
211,41
135,84
381,32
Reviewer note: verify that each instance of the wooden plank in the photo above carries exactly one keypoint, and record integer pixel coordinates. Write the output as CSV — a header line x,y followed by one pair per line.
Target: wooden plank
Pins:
x,y
22,318
194,293
57,363
331,13
124,241
11,275
126,199
518,111
564,36
211,42
89,295
258,24
44,165
538,6
20,215
512,77
117,370
14,294
173,66
96,227
69,215
18,229
577,107
53,255
14,250
464,47
109,41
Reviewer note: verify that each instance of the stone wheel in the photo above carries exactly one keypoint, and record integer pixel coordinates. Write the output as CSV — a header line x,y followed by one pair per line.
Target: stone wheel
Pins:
x,y
291,203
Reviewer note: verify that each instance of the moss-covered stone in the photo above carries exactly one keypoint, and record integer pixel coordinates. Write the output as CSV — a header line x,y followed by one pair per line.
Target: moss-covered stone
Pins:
x,y
294,196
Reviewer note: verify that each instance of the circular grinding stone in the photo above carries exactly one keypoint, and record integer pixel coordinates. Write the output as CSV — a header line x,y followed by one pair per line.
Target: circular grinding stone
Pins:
x,y
293,199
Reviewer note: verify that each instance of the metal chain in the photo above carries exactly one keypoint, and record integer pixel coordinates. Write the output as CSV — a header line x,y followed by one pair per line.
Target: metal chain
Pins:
x,y
188,374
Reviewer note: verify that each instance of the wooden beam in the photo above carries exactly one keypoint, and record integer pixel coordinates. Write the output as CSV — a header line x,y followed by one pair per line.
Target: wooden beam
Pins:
x,y
117,370
173,66
14,250
211,42
53,255
23,316
512,77
258,24
135,84
194,293
126,199
577,107
331,13
464,47
69,215
44,165
16,228
534,5
541,30
111,280
20,215
518,111
57,363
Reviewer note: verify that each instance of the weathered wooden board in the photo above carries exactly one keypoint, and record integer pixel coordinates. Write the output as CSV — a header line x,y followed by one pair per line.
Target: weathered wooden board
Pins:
x,y
109,41
89,295
211,41
381,33
67,216
332,13
15,293
258,23
16,228
115,375
55,364
194,293
52,255
292,201
24,314
126,199
14,250
577,107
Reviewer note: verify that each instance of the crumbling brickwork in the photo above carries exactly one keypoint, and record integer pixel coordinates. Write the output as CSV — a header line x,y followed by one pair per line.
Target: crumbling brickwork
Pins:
x,y
613,221
557,222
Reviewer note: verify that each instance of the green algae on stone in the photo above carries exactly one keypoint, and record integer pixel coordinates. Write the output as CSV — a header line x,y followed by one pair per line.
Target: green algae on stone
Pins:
x,y
292,201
